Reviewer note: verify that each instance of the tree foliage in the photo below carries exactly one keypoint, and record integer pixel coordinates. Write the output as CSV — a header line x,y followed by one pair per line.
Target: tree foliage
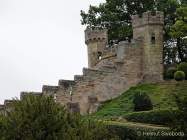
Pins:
x,y
40,118
115,15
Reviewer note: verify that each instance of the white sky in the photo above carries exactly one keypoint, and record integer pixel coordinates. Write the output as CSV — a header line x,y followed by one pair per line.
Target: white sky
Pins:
x,y
41,41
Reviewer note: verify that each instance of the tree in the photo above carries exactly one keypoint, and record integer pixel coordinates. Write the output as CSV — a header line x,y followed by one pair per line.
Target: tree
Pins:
x,y
179,32
40,118
115,15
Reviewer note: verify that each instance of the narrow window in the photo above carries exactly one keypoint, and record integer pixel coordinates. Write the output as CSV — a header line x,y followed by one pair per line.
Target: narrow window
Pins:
x,y
153,39
99,54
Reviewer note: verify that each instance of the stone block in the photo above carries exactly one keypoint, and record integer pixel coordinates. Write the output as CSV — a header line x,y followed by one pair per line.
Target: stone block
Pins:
x,y
50,90
24,94
73,107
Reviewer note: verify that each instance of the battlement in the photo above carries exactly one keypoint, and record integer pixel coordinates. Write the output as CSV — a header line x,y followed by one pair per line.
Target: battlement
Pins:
x,y
8,102
78,78
23,94
95,35
92,72
49,89
1,107
66,83
148,18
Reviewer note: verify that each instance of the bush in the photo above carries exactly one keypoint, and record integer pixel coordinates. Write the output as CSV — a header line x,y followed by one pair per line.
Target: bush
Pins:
x,y
160,117
180,123
41,118
170,72
179,75
142,102
183,67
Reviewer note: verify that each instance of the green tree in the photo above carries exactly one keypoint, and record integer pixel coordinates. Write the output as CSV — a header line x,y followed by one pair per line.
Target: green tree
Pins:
x,y
40,118
115,15
179,32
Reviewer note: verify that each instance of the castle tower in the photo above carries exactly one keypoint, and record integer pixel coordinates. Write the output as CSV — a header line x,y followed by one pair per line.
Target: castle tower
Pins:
x,y
96,40
149,27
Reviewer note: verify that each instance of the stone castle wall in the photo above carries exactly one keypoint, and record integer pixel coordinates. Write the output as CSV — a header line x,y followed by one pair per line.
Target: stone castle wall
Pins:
x,y
113,70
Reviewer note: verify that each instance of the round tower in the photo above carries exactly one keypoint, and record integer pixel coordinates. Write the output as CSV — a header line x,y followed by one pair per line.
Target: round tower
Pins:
x,y
96,40
149,27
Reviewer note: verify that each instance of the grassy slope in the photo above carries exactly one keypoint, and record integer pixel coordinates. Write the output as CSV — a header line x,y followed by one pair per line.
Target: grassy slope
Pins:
x,y
161,95
135,125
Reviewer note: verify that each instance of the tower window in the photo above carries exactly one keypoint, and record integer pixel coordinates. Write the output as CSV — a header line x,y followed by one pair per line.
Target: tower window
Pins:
x,y
153,39
99,54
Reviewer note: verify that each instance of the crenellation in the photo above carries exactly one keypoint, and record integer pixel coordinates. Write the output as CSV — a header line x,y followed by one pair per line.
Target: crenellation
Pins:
x,y
8,102
78,78
66,83
88,71
94,73
49,90
148,18
95,35
2,107
24,94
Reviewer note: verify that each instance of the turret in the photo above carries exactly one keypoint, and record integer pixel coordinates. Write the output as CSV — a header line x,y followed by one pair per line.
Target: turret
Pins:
x,y
149,28
96,40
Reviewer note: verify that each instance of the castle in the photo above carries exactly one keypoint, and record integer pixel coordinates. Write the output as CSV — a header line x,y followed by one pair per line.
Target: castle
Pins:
x,y
112,70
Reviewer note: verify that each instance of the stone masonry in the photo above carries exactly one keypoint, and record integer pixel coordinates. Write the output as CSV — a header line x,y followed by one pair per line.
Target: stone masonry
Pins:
x,y
113,70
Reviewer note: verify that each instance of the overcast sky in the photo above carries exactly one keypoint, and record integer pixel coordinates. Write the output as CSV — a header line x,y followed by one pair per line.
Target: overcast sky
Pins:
x,y
41,41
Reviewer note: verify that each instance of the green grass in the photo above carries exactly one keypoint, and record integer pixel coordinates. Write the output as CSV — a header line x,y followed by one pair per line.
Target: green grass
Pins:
x,y
138,125
161,95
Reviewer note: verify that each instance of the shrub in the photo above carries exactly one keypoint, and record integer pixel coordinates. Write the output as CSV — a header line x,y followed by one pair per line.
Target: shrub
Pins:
x,y
183,67
170,72
180,123
161,117
179,75
142,102
41,118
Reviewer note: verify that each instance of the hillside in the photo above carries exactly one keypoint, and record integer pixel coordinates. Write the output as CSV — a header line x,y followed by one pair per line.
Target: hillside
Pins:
x,y
161,95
